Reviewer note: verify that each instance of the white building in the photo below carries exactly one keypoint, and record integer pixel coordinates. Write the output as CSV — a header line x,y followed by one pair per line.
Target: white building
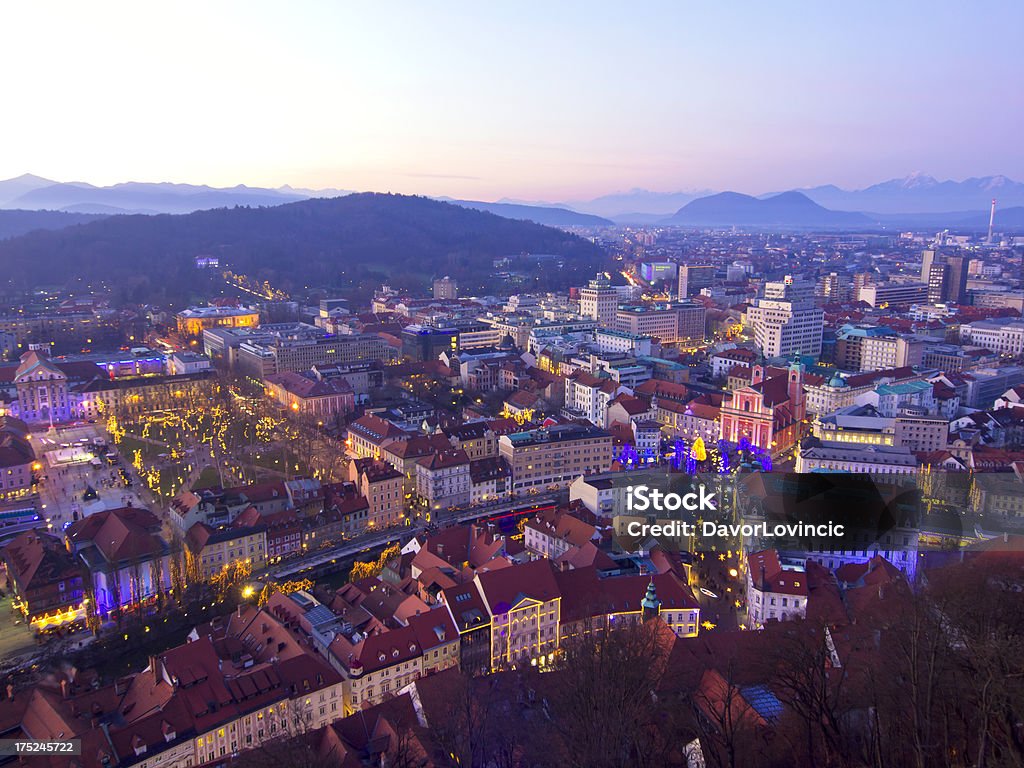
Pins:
x,y
774,593
599,301
1000,336
784,328
588,396
868,459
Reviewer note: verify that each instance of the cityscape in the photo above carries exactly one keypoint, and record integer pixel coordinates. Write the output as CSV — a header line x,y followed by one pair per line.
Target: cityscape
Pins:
x,y
356,469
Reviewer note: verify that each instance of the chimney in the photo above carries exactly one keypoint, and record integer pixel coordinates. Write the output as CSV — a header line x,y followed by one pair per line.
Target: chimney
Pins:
x,y
154,667
64,688
10,691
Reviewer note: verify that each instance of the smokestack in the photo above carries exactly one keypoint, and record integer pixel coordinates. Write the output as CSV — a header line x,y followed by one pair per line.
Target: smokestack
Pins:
x,y
991,220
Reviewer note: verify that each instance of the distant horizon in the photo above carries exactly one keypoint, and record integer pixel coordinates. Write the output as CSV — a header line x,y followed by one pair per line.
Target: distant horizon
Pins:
x,y
514,199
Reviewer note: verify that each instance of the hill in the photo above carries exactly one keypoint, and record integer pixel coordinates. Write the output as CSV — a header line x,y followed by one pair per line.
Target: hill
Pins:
x,y
552,216
345,243
15,223
789,209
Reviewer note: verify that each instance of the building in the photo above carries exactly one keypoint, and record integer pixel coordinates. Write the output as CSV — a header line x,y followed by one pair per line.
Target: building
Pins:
x,y
610,341
125,555
553,532
47,582
405,455
921,433
1004,337
17,460
42,387
302,353
945,276
555,456
893,294
369,435
841,391
443,480
468,612
891,400
312,397
774,593
523,605
588,397
768,412
599,301
658,271
699,417
490,480
669,323
786,328
446,288
723,362
381,485
423,342
194,320
591,604
210,551
876,348
694,278
476,438
865,459
101,396
182,363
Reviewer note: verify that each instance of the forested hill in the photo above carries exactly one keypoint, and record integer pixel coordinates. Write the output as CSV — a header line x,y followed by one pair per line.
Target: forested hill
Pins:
x,y
345,242
17,222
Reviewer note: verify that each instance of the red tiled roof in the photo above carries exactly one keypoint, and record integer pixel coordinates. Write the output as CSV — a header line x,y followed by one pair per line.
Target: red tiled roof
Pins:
x,y
128,533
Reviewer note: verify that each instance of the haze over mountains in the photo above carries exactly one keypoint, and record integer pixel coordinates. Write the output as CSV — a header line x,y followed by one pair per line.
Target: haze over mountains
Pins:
x,y
916,200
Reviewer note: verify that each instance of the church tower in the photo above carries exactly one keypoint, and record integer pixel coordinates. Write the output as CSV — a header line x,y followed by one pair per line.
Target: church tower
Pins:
x,y
651,605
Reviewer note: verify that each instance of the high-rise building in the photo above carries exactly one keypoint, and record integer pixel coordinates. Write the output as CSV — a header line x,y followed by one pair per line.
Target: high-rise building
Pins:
x,y
446,288
784,328
956,279
936,280
693,278
928,257
599,300
833,288
789,289
945,276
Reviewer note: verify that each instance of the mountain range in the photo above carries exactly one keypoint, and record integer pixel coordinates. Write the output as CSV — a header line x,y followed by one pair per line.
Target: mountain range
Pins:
x,y
916,200
920,193
917,193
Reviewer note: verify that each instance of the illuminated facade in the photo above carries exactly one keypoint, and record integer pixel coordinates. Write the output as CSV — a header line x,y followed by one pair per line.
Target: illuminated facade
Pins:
x,y
43,396
194,320
768,412
48,584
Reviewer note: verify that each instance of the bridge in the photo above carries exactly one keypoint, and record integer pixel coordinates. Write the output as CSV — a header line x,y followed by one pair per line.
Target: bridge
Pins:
x,y
327,560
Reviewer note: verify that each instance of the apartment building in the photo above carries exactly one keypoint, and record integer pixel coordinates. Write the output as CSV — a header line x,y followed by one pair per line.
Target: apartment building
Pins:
x,y
210,550
443,479
381,485
555,456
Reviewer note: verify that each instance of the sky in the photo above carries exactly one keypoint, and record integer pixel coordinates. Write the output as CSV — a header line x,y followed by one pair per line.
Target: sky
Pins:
x,y
547,100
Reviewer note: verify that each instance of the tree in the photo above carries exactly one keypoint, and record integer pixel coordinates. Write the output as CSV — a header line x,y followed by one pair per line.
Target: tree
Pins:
x,y
605,712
